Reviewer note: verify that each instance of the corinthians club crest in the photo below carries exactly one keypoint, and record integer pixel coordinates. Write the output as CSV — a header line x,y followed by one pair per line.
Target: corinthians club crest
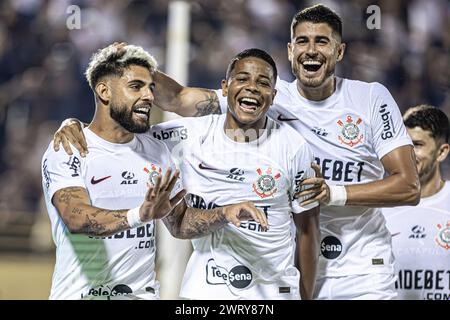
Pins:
x,y
443,236
350,133
153,173
265,186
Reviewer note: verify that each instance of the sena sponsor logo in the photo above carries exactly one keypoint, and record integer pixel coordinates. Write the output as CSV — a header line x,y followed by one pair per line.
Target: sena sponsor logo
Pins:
x,y
74,165
106,291
388,127
175,133
331,247
239,276
236,174
128,177
46,174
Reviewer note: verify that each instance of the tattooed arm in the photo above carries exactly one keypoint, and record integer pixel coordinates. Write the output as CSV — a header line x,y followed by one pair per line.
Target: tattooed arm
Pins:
x,y
188,223
185,101
74,207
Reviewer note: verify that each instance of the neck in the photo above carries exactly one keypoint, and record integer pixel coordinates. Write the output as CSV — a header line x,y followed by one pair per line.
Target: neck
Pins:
x,y
107,128
431,186
318,93
241,132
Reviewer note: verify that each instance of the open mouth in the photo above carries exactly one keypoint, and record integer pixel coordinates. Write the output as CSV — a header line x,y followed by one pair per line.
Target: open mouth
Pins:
x,y
311,66
249,104
142,112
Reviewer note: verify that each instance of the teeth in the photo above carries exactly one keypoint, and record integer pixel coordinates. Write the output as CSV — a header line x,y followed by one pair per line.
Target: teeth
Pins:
x,y
142,109
312,63
251,100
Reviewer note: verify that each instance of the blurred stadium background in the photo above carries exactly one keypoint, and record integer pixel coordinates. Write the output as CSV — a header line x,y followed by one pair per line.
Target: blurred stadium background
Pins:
x,y
41,83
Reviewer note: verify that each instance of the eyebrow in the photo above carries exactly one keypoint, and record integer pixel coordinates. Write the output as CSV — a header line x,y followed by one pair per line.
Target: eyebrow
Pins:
x,y
137,81
316,37
248,73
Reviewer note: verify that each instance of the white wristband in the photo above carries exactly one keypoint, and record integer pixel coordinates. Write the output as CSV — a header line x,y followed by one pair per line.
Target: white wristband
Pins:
x,y
338,196
133,218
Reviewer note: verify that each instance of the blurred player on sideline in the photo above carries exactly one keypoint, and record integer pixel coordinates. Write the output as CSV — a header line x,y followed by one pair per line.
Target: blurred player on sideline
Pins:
x,y
421,235
104,251
244,155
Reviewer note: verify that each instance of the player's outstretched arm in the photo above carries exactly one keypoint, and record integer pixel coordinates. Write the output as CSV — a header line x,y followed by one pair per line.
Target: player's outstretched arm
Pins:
x,y
184,101
400,187
188,223
308,239
80,217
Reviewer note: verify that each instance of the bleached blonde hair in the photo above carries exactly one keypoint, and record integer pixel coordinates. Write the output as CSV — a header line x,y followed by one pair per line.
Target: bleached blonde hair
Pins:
x,y
113,59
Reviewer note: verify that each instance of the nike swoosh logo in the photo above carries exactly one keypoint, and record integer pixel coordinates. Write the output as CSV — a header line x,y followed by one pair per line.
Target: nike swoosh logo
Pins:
x,y
203,167
395,234
94,181
280,118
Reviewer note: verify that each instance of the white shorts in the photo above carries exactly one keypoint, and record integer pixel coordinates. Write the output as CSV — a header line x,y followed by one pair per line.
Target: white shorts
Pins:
x,y
375,286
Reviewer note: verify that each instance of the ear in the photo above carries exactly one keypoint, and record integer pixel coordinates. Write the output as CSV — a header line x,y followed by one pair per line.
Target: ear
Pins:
x,y
224,87
103,92
341,51
443,152
289,49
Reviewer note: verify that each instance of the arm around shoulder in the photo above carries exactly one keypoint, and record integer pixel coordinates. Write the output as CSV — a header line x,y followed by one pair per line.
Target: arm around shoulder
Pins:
x,y
184,101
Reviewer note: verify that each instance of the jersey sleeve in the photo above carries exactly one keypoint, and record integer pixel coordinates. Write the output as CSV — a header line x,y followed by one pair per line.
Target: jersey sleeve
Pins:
x,y
222,101
301,170
60,170
388,129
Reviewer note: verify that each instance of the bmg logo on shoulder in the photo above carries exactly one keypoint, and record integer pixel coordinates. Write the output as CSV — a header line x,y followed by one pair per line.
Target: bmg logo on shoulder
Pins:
x,y
174,134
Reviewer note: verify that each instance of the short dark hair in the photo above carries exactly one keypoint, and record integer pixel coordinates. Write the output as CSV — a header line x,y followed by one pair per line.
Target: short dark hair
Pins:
x,y
253,52
429,118
318,14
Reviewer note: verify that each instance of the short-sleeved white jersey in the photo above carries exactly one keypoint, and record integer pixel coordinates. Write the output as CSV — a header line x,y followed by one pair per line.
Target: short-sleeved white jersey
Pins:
x,y
349,132
115,176
421,245
244,262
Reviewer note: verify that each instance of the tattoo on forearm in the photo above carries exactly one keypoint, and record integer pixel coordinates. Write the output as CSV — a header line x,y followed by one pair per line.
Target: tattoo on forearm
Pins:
x,y
87,219
197,223
92,226
77,211
210,105
68,194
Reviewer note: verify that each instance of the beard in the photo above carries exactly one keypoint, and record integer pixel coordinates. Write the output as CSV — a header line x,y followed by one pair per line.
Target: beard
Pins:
x,y
124,117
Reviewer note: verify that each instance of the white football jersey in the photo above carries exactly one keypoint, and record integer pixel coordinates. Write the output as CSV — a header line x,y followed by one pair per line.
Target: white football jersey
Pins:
x,y
421,244
244,262
116,177
349,132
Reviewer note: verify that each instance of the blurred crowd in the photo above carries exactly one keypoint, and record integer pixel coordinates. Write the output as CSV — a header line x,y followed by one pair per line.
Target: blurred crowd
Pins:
x,y
42,62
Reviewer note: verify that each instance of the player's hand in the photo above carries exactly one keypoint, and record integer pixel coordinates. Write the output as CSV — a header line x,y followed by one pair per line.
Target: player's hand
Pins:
x,y
314,189
71,130
157,203
245,211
